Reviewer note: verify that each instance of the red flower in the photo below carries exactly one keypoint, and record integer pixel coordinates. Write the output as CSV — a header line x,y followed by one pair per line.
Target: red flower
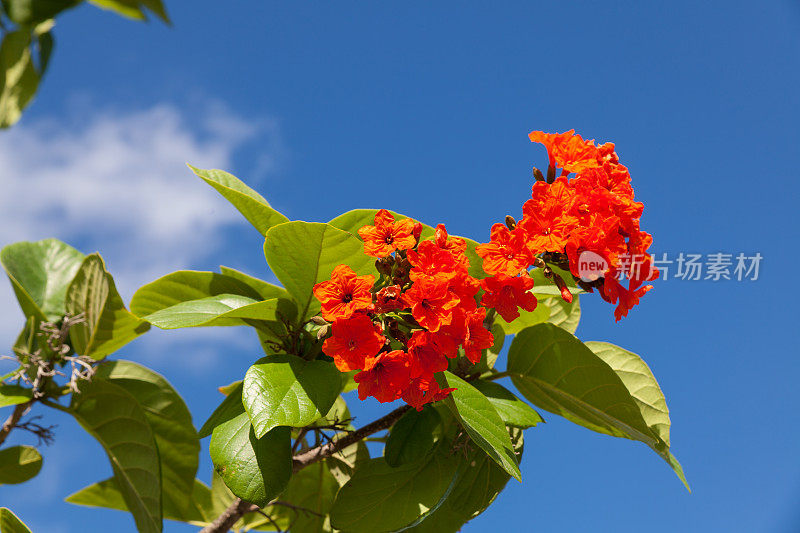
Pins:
x,y
506,253
478,337
344,294
386,235
353,340
455,245
385,376
568,150
431,302
505,294
430,260
422,391
427,357
388,299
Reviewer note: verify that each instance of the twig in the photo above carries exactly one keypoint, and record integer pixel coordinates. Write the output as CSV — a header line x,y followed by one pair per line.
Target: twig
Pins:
x,y
229,516
12,420
271,521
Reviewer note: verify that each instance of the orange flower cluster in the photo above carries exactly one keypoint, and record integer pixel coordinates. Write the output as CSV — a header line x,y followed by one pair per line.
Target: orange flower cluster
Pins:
x,y
593,211
403,328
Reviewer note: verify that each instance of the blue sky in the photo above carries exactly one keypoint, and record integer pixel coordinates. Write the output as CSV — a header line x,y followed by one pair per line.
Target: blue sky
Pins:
x,y
425,108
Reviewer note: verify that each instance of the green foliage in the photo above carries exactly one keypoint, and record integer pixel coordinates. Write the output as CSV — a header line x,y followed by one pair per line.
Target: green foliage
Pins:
x,y
115,419
14,394
230,407
107,325
10,523
412,437
381,498
511,409
313,489
31,12
220,310
478,485
560,374
254,469
248,202
19,464
171,423
481,422
134,9
285,390
302,254
40,273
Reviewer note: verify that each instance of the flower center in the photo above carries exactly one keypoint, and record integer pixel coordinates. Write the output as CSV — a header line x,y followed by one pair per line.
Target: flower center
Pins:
x,y
347,298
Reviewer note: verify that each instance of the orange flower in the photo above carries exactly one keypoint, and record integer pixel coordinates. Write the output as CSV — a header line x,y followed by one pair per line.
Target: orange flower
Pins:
x,y
353,340
426,357
478,337
430,302
505,294
506,253
424,390
432,261
385,376
568,150
455,245
344,294
386,236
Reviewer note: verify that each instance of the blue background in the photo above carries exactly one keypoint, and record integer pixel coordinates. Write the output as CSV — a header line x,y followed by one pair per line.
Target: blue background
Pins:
x,y
424,108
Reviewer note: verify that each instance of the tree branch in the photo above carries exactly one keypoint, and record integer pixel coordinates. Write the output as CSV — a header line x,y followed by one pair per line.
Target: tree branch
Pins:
x,y
239,507
14,419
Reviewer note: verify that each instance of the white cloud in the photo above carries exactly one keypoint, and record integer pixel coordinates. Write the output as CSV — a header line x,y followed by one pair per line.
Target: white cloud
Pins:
x,y
116,181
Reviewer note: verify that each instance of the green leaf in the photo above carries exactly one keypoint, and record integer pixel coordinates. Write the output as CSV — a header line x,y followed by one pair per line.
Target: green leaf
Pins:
x,y
40,273
481,422
381,498
19,464
558,373
185,286
344,463
30,12
412,437
114,418
254,469
230,407
107,324
10,523
266,290
252,205
106,494
338,414
171,423
19,77
511,409
220,310
526,319
127,8
302,254
645,391
14,395
285,390
313,488
563,314
479,484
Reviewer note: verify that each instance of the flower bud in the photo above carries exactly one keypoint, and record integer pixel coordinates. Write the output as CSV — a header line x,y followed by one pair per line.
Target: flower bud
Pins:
x,y
417,231
510,222
323,331
537,174
319,321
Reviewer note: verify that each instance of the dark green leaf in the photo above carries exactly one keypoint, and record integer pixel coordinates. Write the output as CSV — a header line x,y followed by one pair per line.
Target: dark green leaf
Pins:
x,y
252,205
107,325
481,422
412,437
255,470
285,390
10,523
113,416
40,273
511,409
30,12
381,498
302,254
171,423
19,464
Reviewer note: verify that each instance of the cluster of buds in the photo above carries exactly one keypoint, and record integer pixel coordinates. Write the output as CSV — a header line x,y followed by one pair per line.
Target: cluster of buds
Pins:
x,y
593,211
403,328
